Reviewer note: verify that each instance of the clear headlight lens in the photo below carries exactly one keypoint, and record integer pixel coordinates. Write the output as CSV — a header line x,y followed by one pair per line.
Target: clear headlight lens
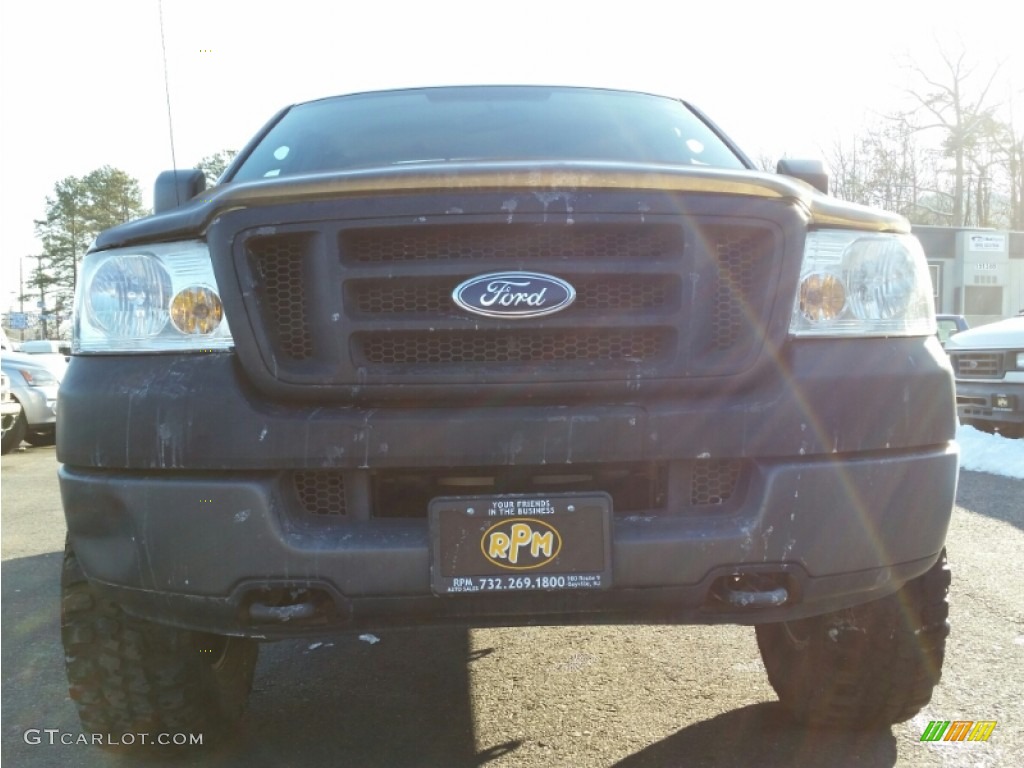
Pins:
x,y
1020,361
863,284
128,296
154,298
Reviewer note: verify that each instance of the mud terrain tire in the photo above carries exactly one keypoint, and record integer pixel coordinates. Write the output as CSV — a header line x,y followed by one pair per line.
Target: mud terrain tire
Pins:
x,y
40,439
129,676
864,667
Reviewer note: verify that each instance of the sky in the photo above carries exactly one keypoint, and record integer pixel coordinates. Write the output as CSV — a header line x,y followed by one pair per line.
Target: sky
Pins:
x,y
82,84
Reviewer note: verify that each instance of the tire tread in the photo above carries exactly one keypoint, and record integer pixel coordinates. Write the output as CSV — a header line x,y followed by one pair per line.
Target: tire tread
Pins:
x,y
127,675
870,666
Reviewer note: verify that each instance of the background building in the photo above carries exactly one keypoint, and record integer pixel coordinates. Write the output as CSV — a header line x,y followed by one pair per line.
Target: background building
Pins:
x,y
978,273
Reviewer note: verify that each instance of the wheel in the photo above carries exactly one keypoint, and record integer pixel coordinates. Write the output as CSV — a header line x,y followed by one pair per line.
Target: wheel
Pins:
x,y
1011,430
129,676
12,437
39,439
982,425
864,667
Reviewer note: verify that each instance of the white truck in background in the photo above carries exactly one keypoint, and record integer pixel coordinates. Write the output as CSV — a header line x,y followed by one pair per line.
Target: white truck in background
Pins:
x,y
989,366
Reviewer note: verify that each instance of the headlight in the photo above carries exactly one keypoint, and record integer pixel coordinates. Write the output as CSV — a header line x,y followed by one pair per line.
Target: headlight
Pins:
x,y
1020,361
158,297
861,284
38,377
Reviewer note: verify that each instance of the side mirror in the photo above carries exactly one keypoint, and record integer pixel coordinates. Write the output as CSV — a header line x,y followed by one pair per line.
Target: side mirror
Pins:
x,y
811,171
175,188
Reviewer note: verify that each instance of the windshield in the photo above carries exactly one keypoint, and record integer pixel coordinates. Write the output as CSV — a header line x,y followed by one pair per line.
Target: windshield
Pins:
x,y
436,125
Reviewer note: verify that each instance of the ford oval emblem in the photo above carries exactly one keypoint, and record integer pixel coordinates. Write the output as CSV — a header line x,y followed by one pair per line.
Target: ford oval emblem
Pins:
x,y
514,294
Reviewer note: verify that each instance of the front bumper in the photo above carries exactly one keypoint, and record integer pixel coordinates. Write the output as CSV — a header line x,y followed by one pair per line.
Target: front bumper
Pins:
x,y
176,490
996,401
9,412
185,549
40,404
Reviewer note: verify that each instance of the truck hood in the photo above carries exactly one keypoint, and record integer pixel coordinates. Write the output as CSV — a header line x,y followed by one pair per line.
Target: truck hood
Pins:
x,y
192,219
1006,334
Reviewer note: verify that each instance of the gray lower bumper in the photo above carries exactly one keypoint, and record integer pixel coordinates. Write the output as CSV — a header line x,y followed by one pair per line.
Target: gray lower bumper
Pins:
x,y
183,547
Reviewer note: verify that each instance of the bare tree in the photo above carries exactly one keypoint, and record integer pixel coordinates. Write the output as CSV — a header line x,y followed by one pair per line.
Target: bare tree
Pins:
x,y
949,158
845,172
963,115
883,167
1009,158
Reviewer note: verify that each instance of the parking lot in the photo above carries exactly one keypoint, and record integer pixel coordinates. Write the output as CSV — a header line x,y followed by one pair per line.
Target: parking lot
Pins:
x,y
633,697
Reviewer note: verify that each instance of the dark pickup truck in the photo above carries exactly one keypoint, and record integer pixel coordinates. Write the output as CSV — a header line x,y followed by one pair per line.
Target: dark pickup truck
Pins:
x,y
502,356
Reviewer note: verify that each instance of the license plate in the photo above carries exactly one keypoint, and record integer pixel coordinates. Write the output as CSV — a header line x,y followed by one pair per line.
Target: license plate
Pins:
x,y
1003,402
520,543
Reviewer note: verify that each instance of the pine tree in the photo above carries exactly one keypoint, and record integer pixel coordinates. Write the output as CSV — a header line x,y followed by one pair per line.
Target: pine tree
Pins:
x,y
79,209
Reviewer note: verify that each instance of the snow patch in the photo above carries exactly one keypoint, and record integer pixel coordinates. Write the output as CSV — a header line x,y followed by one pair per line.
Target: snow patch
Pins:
x,y
371,639
995,454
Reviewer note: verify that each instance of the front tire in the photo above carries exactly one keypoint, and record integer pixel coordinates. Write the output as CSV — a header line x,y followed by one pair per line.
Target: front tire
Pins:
x,y
12,437
1014,431
982,425
129,676
40,439
868,666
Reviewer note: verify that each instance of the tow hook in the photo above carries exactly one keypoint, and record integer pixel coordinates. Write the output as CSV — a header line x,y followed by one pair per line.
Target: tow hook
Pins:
x,y
281,605
754,590
262,612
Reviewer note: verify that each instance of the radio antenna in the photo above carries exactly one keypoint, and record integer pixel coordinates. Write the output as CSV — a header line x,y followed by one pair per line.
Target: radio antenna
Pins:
x,y
167,92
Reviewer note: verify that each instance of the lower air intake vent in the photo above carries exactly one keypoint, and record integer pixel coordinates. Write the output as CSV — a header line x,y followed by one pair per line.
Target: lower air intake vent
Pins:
x,y
713,482
320,493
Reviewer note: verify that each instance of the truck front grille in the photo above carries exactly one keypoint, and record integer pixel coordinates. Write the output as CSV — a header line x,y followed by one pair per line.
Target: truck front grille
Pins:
x,y
355,304
978,365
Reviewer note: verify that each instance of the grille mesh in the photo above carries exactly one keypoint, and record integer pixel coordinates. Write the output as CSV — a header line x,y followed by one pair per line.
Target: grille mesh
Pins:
x,y
278,261
510,243
741,257
713,482
320,492
506,347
